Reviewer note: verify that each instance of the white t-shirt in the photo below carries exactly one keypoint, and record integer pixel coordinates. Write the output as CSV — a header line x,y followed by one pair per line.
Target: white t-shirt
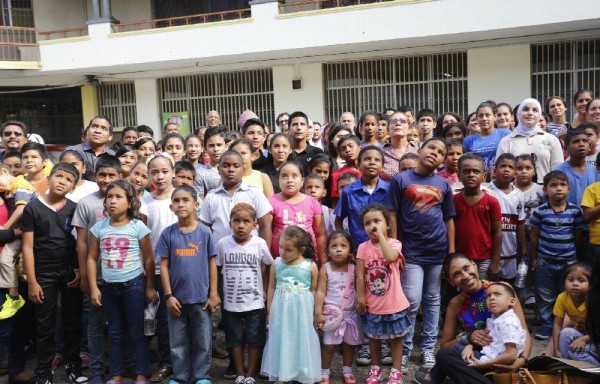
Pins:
x,y
242,273
160,217
513,213
504,329
82,191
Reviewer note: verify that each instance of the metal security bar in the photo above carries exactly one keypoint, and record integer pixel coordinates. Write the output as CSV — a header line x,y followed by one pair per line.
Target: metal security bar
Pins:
x,y
560,69
117,101
229,93
438,82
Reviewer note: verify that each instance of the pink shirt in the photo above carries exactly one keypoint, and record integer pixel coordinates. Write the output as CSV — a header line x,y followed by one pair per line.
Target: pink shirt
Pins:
x,y
301,214
383,293
451,178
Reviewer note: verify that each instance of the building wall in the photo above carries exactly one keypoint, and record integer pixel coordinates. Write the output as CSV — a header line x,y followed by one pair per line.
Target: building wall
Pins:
x,y
309,99
58,14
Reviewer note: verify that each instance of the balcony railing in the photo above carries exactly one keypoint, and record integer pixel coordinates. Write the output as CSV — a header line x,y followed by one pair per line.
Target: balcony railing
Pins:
x,y
18,44
63,33
291,6
183,20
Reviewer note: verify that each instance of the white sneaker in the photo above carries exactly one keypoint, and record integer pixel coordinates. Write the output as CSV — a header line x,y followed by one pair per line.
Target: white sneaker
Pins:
x,y
427,359
405,361
386,355
240,380
363,357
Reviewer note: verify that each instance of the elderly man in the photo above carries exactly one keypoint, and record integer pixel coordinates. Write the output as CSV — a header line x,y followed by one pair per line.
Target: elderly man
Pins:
x,y
213,119
347,120
97,136
14,136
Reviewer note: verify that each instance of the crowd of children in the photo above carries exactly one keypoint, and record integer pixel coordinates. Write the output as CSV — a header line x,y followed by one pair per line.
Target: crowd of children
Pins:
x,y
305,250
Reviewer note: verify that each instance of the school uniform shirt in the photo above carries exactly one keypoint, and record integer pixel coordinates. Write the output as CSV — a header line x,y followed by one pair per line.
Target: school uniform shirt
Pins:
x,y
487,146
512,206
591,198
578,182
557,230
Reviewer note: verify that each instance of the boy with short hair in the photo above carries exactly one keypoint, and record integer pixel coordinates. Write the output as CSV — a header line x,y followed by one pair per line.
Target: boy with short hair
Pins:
x,y
34,158
242,259
590,130
408,161
298,132
349,148
426,123
12,159
556,228
185,174
189,277
207,175
145,131
51,262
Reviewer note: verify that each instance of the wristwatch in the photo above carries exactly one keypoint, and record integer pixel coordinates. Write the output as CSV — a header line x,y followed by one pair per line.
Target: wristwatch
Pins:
x,y
524,358
168,296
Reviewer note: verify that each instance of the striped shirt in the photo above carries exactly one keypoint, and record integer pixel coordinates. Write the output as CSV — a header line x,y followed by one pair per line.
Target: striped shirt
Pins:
x,y
557,230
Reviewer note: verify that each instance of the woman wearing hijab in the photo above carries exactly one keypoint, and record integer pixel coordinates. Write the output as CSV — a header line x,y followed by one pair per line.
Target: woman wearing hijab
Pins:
x,y
529,138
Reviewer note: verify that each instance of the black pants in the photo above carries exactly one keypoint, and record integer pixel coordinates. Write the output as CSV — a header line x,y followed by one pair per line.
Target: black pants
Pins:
x,y
448,363
71,300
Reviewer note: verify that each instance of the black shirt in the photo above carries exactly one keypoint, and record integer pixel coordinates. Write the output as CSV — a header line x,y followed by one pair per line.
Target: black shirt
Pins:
x,y
304,157
260,163
53,244
273,176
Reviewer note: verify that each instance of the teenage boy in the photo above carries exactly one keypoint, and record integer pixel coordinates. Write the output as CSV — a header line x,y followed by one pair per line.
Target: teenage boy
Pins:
x,y
298,134
256,131
207,175
556,228
51,262
90,210
145,131
580,173
426,123
34,158
349,148
189,275
478,220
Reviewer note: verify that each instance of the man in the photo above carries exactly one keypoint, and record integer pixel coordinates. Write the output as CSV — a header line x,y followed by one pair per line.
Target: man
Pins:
x,y
298,133
97,136
170,128
347,120
282,122
14,136
213,119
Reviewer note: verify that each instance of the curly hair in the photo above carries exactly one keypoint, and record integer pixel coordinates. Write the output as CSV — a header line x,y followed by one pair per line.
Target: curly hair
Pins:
x,y
301,239
134,203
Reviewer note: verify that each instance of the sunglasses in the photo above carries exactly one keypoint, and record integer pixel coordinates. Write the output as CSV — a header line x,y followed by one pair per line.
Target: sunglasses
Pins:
x,y
9,133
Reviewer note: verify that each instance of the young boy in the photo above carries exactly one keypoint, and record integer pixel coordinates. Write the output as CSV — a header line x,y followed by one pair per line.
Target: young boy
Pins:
x,y
241,258
408,161
12,159
590,130
349,148
580,174
556,228
189,276
298,131
90,210
413,135
478,220
450,173
17,192
207,175
185,174
34,158
424,220
426,123
314,186
51,262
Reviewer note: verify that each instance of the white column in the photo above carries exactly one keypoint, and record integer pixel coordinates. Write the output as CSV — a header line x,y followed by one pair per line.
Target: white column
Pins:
x,y
148,105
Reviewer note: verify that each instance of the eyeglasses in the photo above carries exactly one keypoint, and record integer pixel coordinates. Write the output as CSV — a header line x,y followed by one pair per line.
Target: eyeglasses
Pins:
x,y
9,133
396,121
281,122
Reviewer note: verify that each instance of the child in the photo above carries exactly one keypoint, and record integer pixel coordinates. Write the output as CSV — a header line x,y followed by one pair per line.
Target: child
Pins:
x,y
512,204
450,173
321,165
590,130
413,135
367,125
345,180
50,260
315,186
245,148
573,342
556,228
379,292
348,147
139,179
336,287
12,159
122,245
84,187
256,132
478,221
292,350
207,175
193,150
185,174
189,278
408,161
128,156
426,123
424,218
34,158
525,181
242,258
280,149
145,146
366,190
292,207
174,145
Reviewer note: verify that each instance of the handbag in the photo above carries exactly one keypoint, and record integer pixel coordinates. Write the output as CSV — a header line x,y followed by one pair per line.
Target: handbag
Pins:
x,y
525,376
332,313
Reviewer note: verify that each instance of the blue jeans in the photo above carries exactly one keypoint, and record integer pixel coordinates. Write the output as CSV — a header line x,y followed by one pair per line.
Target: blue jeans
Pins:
x,y
95,334
162,326
589,353
421,283
191,343
549,283
482,267
123,305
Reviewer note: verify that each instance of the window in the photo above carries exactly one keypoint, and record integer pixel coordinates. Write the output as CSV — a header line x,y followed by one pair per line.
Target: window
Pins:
x,y
17,13
438,82
117,102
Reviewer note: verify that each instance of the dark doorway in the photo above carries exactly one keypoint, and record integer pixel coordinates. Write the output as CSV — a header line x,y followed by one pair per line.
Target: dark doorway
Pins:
x,y
175,8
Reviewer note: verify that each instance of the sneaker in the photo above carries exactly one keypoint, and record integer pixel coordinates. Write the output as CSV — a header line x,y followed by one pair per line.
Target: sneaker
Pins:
x,y
249,380
543,333
74,374
324,379
240,380
44,380
10,307
375,375
405,361
85,359
386,354
421,378
363,357
427,359
203,381
230,372
349,378
57,361
396,377
171,381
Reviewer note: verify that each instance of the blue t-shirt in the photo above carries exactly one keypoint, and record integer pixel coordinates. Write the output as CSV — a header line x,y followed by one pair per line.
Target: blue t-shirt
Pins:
x,y
421,204
578,182
120,249
188,255
485,146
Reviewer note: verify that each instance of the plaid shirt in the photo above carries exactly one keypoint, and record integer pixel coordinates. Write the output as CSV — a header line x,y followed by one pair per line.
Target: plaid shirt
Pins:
x,y
207,179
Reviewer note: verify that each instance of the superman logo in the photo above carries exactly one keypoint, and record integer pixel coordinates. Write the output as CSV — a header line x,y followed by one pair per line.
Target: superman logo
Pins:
x,y
423,197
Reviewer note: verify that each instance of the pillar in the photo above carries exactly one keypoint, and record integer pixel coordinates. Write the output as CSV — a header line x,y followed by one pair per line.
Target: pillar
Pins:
x,y
89,103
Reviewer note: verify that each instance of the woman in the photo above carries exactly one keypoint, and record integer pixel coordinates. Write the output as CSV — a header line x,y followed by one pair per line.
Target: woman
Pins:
x,y
465,323
398,127
336,132
556,108
472,124
592,112
528,138
580,100
445,119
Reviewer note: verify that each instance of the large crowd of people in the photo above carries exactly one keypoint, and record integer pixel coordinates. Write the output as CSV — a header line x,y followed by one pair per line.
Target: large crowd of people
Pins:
x,y
306,237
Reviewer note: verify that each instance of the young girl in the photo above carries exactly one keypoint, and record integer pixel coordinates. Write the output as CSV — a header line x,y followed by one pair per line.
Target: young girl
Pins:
x,y
122,244
322,165
380,295
145,147
139,179
367,125
193,150
280,150
450,173
315,186
292,350
292,207
128,156
174,145
335,134
245,148
573,342
337,287
83,187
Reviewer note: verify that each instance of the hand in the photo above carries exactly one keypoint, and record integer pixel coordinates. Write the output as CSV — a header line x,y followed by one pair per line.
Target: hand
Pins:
x,y
514,367
174,306
361,307
493,272
18,232
577,345
36,294
481,338
558,354
84,284
532,263
151,295
401,263
319,320
478,364
212,303
467,353
96,297
75,282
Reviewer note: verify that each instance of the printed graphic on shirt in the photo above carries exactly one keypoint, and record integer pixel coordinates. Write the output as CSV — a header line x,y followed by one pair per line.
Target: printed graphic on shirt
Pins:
x,y
116,249
378,277
423,197
299,218
510,221
192,251
241,277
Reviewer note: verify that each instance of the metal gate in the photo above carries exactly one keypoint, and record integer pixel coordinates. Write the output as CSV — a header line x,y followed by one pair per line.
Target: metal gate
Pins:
x,y
117,101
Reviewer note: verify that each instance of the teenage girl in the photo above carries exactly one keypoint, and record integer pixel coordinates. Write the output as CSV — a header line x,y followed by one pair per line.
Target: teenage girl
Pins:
x,y
380,296
128,156
122,244
174,145
245,148
504,117
145,147
139,178
280,150
292,351
331,289
580,100
292,207
367,127
83,187
193,150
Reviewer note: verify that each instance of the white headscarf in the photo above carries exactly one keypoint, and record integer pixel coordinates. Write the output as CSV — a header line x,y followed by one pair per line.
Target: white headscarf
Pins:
x,y
521,128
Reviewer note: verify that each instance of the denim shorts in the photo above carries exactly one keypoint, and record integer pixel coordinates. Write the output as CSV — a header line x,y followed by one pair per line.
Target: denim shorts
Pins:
x,y
245,328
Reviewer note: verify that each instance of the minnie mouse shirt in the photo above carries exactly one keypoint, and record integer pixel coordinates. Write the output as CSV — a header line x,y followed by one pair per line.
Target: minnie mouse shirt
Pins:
x,y
384,295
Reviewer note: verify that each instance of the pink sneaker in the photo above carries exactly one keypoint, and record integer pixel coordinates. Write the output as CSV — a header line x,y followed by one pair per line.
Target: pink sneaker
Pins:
x,y
375,375
324,379
349,378
396,377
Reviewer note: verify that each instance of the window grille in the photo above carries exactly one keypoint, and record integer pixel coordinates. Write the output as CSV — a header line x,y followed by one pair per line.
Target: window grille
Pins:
x,y
560,69
229,93
438,82
117,102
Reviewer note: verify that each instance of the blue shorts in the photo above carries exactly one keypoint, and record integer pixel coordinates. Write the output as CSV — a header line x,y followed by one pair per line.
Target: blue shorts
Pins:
x,y
245,328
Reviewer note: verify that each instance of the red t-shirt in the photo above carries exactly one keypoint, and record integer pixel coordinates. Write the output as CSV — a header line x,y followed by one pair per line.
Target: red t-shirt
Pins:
x,y
336,175
473,224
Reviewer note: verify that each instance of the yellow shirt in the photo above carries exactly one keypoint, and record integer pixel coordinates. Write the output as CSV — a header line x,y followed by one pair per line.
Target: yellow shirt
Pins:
x,y
255,178
591,198
564,305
